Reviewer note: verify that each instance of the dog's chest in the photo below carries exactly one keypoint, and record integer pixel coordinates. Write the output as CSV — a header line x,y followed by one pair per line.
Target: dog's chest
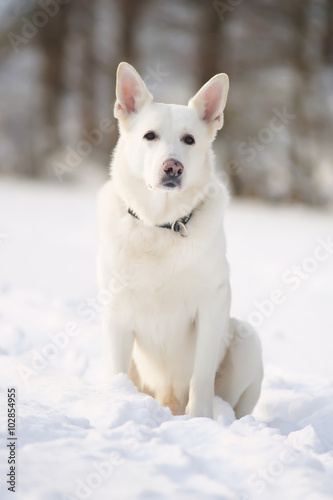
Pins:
x,y
160,268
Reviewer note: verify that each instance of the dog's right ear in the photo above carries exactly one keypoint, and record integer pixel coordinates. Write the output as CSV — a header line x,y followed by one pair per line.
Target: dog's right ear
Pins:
x,y
131,91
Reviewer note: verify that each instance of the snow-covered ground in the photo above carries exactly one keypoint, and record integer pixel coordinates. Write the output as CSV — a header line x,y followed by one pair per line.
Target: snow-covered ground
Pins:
x,y
79,439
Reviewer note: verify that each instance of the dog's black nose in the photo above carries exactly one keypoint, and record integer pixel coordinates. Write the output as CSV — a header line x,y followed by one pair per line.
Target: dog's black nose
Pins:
x,y
173,168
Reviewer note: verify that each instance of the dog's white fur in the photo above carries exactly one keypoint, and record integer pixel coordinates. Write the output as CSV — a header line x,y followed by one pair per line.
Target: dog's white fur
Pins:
x,y
166,319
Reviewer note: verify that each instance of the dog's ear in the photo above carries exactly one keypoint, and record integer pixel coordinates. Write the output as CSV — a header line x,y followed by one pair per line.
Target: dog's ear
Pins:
x,y
210,100
132,94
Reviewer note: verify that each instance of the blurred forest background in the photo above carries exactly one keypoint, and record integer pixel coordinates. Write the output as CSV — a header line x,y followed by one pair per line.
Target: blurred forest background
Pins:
x,y
57,76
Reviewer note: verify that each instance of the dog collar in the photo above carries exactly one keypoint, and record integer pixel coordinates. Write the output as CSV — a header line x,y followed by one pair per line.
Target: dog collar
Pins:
x,y
179,226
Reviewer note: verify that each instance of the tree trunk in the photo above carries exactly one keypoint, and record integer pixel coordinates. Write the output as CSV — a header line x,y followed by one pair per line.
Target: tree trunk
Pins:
x,y
328,34
52,40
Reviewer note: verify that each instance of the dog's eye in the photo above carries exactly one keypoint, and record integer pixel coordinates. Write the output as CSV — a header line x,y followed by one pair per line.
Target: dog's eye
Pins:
x,y
150,136
188,139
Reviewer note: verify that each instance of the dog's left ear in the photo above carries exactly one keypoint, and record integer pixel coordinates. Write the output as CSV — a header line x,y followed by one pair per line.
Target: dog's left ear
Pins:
x,y
210,100
131,91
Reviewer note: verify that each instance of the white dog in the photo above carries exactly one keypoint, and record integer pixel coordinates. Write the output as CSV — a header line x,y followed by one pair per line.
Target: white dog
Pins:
x,y
162,255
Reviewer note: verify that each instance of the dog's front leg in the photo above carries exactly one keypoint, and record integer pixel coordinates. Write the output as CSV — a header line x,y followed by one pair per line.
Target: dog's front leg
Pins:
x,y
211,347
118,342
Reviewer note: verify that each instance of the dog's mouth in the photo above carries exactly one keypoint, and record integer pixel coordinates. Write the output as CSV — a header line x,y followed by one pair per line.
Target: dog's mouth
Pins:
x,y
170,184
166,185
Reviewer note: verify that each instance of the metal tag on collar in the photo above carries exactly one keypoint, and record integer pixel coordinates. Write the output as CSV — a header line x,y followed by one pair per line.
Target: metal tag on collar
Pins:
x,y
179,227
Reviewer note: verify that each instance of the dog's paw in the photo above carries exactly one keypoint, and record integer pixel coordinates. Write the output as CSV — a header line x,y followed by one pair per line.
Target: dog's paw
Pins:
x,y
195,409
223,412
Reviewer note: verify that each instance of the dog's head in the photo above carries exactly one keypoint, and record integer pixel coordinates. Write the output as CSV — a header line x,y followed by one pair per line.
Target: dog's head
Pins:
x,y
167,145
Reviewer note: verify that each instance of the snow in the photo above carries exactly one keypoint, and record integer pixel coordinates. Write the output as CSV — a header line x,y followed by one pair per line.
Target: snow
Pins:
x,y
80,438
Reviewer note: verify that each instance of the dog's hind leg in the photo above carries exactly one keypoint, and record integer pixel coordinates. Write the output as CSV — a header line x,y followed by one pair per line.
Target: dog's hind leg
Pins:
x,y
248,399
239,377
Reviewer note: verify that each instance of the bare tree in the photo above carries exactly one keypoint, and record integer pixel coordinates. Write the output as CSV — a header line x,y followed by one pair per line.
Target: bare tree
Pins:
x,y
328,33
210,44
84,10
130,11
52,42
